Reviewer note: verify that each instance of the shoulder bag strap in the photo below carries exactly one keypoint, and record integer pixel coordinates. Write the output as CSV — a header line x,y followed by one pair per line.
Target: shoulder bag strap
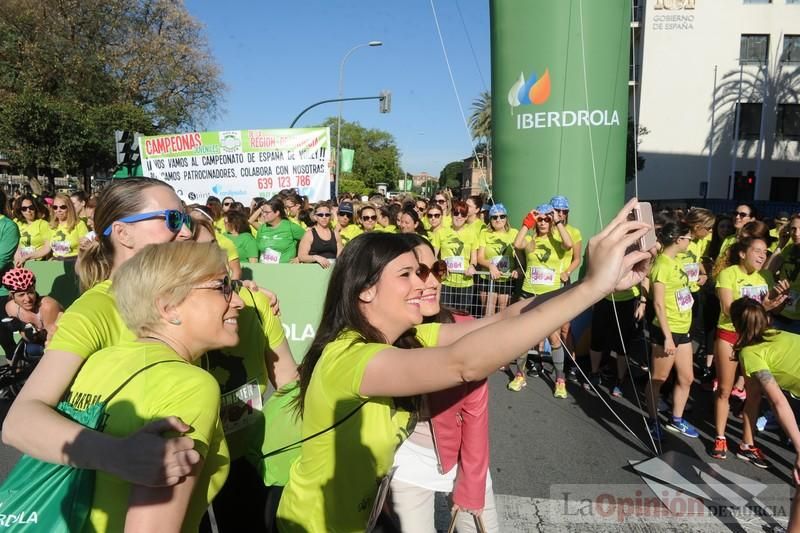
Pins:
x,y
124,383
315,435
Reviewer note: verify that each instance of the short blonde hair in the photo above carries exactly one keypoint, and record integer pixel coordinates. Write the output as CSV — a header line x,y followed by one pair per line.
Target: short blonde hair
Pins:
x,y
167,272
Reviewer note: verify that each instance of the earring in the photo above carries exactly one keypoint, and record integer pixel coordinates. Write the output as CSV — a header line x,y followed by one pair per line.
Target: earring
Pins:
x,y
175,321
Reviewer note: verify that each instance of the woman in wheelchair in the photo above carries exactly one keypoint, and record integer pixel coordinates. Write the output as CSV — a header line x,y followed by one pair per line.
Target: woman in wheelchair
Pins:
x,y
35,315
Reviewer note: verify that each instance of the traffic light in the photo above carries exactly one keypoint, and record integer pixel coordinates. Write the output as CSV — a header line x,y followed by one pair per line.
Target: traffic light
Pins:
x,y
127,148
744,186
385,103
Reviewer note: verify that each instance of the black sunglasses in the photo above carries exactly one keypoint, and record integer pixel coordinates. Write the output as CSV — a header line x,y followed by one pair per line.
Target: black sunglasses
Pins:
x,y
226,287
369,217
322,215
741,214
59,207
434,215
438,269
27,208
498,217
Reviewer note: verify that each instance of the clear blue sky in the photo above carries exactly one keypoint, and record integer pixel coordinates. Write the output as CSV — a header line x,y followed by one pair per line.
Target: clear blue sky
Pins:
x,y
279,56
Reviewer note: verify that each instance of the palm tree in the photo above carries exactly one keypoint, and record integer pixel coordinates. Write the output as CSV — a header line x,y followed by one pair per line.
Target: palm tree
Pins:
x,y
480,123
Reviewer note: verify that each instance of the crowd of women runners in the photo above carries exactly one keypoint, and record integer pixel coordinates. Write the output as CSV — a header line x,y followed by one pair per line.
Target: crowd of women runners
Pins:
x,y
390,403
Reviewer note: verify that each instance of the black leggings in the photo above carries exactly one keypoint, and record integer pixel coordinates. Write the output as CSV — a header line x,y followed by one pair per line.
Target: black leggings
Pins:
x,y
6,336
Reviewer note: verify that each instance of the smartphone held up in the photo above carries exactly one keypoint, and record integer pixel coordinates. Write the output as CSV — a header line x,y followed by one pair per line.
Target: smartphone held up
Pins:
x,y
644,213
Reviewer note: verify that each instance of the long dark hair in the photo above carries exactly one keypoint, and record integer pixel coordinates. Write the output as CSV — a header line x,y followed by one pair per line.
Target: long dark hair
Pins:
x,y
358,268
751,322
671,232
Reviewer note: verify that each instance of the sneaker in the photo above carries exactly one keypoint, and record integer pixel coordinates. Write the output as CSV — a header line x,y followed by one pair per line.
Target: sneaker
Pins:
x,y
572,375
535,370
517,383
594,379
616,392
739,393
654,427
767,422
561,389
752,455
720,450
679,425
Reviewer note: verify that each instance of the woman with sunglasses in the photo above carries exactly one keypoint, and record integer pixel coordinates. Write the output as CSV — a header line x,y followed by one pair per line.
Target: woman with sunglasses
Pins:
x,y
745,279
320,244
367,218
346,228
155,374
131,214
444,201
66,230
436,219
743,214
544,259
277,238
34,230
449,448
227,202
458,247
352,370
669,332
294,203
421,207
496,254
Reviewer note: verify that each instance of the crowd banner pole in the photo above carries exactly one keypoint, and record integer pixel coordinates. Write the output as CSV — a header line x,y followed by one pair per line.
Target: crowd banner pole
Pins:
x,y
560,105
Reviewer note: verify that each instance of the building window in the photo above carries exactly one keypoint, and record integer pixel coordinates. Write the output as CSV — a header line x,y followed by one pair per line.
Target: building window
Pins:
x,y
791,49
783,189
749,121
757,1
788,124
754,48
793,1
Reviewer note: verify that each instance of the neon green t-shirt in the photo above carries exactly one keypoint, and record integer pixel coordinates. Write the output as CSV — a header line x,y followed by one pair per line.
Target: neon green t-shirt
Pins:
x,y
391,228
677,295
545,259
626,295
349,233
775,234
741,284
242,375
219,225
297,221
790,268
477,226
691,261
168,389
498,247
455,248
778,354
575,235
32,236
333,485
727,243
91,323
64,242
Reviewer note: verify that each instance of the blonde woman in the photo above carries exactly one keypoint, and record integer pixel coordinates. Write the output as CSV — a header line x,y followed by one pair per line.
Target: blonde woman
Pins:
x,y
66,229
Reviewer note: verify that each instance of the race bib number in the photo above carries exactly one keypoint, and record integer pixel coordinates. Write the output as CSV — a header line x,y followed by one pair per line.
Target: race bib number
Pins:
x,y
501,262
91,236
27,251
757,293
241,407
270,257
542,276
455,264
692,271
684,299
60,248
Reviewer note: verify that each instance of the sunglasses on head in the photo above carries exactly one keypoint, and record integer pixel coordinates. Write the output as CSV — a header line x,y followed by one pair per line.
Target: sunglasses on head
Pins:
x,y
438,269
498,217
543,219
741,214
27,208
225,285
324,215
369,217
59,207
173,218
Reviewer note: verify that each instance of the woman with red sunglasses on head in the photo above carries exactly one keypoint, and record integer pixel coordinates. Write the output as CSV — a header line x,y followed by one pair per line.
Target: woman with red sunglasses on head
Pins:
x,y
496,254
449,448
66,230
545,259
458,246
320,244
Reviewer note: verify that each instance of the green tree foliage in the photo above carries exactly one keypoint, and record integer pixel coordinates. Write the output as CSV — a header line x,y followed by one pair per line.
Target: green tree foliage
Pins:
x,y
73,71
452,175
376,159
480,120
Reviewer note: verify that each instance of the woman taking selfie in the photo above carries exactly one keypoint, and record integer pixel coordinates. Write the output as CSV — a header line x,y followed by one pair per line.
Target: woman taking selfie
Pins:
x,y
352,370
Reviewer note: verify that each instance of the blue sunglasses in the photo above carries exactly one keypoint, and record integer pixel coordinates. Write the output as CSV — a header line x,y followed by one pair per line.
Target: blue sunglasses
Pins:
x,y
173,218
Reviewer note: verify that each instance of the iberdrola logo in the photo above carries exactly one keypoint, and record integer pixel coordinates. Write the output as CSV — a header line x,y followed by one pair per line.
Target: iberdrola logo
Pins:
x,y
534,91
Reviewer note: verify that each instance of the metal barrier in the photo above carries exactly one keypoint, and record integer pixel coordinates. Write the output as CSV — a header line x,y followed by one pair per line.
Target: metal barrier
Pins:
x,y
485,297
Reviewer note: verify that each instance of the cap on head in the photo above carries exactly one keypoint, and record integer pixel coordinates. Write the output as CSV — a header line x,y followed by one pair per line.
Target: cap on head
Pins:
x,y
497,209
559,202
544,209
346,208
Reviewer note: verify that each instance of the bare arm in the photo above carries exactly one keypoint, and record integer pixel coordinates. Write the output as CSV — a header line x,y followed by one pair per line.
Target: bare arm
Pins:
x,y
661,310
304,247
235,268
577,249
725,297
566,239
253,220
161,508
519,241
281,366
780,405
33,426
50,310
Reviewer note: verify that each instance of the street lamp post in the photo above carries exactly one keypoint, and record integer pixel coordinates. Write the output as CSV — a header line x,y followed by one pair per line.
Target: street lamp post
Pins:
x,y
339,119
